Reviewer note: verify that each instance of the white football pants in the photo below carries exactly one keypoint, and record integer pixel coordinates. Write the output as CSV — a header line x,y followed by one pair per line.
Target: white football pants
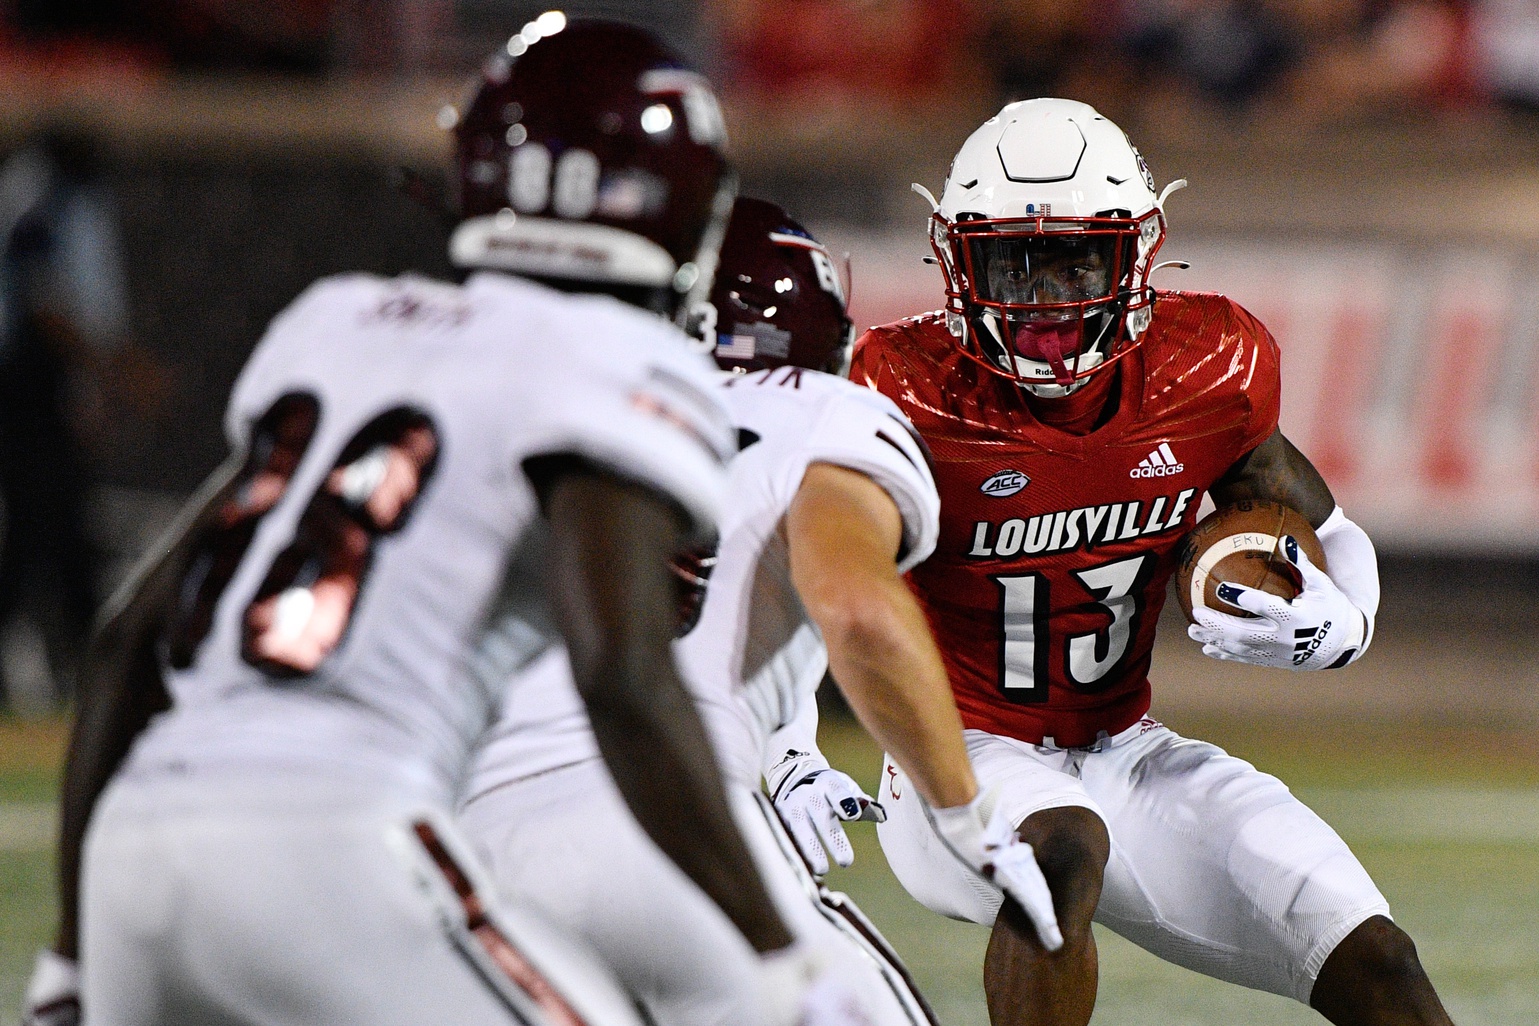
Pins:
x,y
296,901
565,843
1214,865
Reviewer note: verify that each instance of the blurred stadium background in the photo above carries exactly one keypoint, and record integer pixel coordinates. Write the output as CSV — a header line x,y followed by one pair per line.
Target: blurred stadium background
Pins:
x,y
1364,176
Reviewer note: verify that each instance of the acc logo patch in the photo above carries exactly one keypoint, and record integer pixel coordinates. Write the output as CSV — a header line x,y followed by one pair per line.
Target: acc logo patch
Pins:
x,y
1004,484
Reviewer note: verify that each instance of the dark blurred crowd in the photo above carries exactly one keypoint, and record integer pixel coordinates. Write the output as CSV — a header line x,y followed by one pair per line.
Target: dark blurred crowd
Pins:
x,y
1317,59
63,327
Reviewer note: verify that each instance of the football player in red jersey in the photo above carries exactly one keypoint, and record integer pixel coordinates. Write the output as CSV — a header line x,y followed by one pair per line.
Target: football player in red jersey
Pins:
x,y
1076,417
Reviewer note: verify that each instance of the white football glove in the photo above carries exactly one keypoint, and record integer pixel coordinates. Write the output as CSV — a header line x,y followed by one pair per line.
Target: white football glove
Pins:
x,y
814,805
797,987
984,838
53,993
1319,629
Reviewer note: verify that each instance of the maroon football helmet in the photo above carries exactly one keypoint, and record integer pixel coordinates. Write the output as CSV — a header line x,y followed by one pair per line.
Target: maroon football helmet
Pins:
x,y
590,154
777,298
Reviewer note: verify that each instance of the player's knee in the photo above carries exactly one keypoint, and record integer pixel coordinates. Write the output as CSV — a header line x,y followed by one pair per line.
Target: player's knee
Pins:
x,y
1072,847
1070,842
1378,955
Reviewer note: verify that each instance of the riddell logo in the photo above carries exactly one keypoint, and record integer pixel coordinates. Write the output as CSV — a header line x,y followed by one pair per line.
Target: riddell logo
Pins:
x,y
1159,463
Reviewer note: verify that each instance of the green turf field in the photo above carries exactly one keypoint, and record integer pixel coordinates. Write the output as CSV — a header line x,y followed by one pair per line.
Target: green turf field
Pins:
x,y
1447,820
30,756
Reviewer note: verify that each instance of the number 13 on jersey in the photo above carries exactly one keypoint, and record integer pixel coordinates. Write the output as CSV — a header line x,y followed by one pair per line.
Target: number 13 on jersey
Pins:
x,y
1026,642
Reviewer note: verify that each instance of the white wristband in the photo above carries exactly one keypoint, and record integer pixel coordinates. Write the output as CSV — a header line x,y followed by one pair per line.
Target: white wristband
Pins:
x,y
1353,567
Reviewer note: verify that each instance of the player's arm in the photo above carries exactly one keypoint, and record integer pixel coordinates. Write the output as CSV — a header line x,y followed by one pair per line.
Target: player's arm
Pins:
x,y
843,534
616,603
1334,614
118,688
1276,471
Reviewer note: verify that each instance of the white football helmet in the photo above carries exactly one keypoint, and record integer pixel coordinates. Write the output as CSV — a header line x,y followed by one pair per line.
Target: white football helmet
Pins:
x,y
1046,230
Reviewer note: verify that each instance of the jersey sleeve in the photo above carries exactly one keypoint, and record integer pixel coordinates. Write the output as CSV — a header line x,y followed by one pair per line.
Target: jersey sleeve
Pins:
x,y
866,432
1263,383
647,412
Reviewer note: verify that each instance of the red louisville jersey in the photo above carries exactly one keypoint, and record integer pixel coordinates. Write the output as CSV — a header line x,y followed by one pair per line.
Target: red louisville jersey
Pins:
x,y
1055,549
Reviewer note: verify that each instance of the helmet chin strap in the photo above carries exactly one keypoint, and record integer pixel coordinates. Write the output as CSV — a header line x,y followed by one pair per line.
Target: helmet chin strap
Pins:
x,y
1051,345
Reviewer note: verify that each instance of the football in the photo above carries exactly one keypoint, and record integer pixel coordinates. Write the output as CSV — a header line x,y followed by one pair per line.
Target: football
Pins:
x,y
1239,544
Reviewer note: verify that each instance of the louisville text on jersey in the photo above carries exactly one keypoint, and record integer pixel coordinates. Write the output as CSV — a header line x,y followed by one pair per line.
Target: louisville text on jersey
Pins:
x,y
1085,527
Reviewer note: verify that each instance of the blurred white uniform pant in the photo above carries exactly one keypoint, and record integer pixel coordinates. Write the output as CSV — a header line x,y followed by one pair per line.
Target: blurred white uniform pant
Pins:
x,y
1214,865
295,901
565,843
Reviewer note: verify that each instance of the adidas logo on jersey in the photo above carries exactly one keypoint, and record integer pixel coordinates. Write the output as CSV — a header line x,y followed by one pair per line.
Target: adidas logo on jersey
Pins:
x,y
1159,463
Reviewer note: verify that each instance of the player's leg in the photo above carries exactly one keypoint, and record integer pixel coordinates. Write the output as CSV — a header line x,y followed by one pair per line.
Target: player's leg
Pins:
x,y
838,908
302,903
1024,984
829,921
1374,978
1217,867
127,907
564,843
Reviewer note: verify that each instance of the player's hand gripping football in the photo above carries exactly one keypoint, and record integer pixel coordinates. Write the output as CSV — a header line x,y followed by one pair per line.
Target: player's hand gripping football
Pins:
x,y
984,838
53,992
1318,629
813,809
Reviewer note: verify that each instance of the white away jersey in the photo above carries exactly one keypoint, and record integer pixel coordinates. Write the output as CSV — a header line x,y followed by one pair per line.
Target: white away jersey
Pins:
x,y
754,656
379,577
